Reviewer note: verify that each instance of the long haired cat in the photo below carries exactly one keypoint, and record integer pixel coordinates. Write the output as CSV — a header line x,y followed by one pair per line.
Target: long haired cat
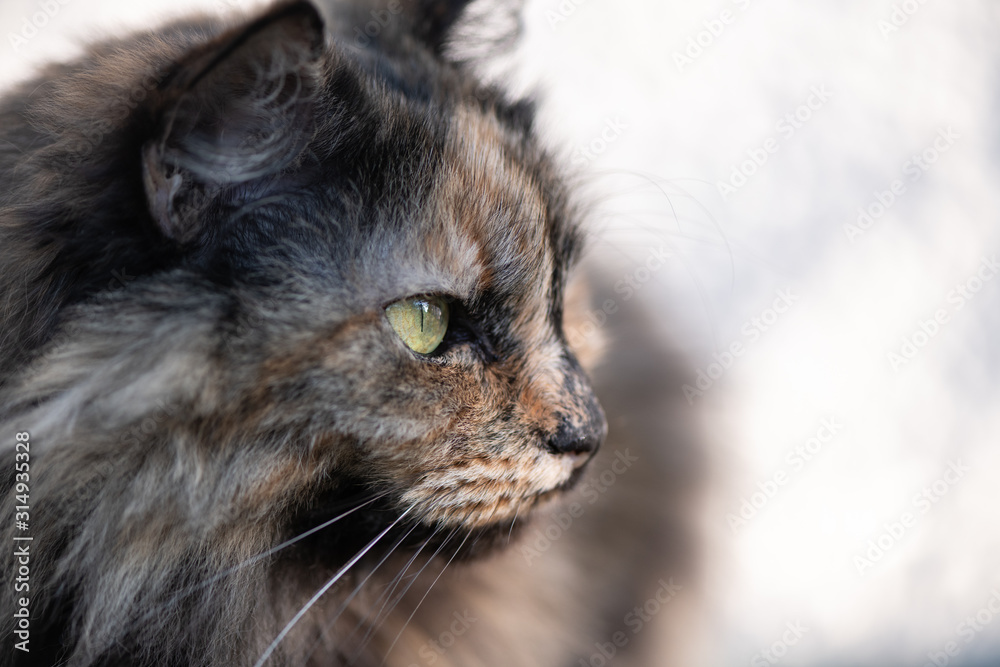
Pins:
x,y
284,336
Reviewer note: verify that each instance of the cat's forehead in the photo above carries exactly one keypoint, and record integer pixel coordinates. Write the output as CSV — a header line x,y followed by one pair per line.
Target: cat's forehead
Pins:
x,y
477,215
492,205
437,188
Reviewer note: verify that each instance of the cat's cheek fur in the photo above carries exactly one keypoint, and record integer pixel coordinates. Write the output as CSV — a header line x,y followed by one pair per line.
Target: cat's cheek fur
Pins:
x,y
465,440
493,462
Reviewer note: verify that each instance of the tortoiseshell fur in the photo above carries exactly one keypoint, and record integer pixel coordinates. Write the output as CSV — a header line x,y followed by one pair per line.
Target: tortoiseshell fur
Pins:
x,y
200,227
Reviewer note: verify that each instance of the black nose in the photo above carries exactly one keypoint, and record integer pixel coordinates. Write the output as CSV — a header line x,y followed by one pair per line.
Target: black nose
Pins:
x,y
580,436
582,425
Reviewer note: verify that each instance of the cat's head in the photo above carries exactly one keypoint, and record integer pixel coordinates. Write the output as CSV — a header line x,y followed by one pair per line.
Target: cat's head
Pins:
x,y
360,262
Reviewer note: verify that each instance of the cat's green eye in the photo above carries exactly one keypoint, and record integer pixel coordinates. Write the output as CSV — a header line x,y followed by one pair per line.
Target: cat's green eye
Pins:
x,y
420,321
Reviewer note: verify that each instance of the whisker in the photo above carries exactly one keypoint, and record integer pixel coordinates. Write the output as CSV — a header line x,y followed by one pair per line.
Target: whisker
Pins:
x,y
391,588
357,589
336,577
378,621
325,524
387,592
516,512
177,597
426,593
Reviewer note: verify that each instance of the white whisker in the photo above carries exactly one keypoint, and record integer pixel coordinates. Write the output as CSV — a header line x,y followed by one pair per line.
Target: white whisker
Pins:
x,y
426,593
516,512
254,559
336,577
391,587
379,618
357,589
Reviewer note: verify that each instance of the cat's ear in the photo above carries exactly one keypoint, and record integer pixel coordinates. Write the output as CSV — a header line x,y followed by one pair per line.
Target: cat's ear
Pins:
x,y
232,111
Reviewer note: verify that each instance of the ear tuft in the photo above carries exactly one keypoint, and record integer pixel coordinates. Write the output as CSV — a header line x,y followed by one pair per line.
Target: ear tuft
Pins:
x,y
235,110
484,31
433,20
429,21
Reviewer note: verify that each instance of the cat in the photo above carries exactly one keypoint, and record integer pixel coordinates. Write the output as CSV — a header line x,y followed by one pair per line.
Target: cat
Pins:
x,y
285,304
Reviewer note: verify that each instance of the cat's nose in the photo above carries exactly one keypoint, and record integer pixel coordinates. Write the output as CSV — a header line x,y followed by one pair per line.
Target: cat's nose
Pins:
x,y
580,439
582,425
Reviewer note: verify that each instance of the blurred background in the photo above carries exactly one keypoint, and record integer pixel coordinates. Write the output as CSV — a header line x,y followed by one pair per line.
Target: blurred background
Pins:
x,y
821,181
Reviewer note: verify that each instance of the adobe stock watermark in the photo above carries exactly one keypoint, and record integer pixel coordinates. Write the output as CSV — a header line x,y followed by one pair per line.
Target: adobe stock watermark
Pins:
x,y
635,621
968,629
223,5
796,459
587,153
913,170
135,436
31,25
65,336
433,650
140,431
898,17
629,284
562,12
786,128
773,654
928,328
84,144
714,28
923,502
592,490
380,19
752,330
20,490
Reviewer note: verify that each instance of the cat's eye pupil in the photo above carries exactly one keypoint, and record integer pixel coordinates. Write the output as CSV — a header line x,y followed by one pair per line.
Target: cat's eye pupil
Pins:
x,y
420,321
